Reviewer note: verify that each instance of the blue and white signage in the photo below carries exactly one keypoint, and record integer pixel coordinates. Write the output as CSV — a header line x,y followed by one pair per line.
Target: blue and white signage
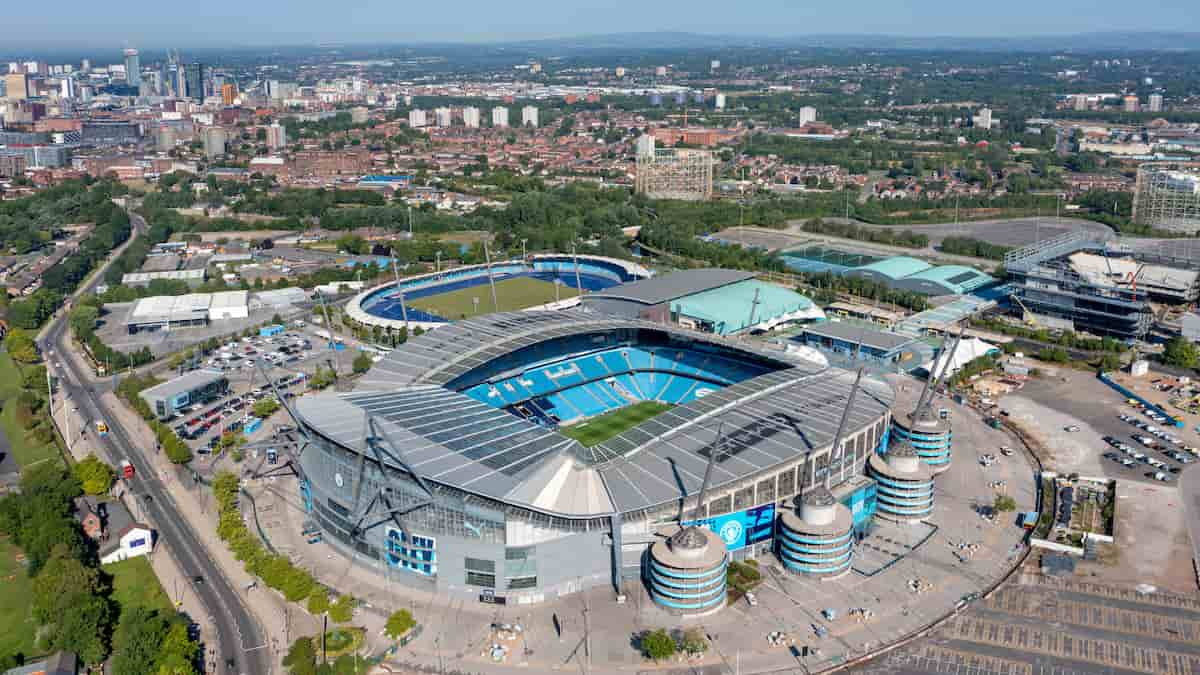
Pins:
x,y
742,528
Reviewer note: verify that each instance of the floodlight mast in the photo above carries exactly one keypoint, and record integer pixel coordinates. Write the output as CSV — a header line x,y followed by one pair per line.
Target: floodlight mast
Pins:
x,y
841,430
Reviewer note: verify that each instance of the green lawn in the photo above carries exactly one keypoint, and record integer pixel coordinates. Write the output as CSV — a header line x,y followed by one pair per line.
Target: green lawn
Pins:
x,y
26,451
512,294
17,626
604,427
135,585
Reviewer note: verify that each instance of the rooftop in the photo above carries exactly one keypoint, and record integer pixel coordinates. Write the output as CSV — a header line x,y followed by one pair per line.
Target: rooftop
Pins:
x,y
959,278
729,307
896,267
455,440
184,383
658,290
869,337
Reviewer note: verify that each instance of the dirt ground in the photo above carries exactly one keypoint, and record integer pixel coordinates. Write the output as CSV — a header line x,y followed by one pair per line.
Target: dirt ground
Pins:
x,y
1152,544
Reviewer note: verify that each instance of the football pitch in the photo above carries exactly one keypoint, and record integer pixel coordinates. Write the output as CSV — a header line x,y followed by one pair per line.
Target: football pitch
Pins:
x,y
604,427
511,294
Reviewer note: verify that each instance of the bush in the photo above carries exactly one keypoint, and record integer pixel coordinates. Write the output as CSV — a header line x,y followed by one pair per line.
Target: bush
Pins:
x,y
657,645
95,476
342,610
1004,504
399,623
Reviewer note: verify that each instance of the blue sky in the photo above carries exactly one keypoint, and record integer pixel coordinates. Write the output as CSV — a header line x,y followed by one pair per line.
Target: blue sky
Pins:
x,y
155,23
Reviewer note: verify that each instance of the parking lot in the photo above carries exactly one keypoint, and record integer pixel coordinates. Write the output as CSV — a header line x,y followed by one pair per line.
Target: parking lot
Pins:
x,y
1090,429
289,359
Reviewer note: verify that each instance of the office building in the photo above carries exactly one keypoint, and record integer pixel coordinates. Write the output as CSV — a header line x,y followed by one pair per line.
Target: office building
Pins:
x,y
198,386
983,120
619,71
807,114
719,101
16,86
715,64
529,116
416,118
228,93
441,117
1079,102
359,114
1130,103
194,75
470,116
133,68
67,88
660,71
1156,103
500,116
214,142
276,136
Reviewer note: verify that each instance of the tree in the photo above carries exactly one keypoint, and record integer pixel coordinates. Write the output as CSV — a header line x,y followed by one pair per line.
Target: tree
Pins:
x,y
398,624
136,641
265,407
20,346
71,603
318,602
1180,352
342,610
1004,503
362,363
1110,362
95,476
178,651
658,645
301,658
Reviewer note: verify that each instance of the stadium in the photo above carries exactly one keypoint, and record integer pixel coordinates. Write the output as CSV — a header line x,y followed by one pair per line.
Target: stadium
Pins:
x,y
430,300
523,456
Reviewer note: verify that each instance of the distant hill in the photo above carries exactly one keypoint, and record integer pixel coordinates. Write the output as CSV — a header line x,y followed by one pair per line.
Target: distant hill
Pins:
x,y
1107,41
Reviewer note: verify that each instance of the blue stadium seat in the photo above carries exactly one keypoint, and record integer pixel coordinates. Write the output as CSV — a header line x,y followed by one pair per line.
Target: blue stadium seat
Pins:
x,y
592,367
561,408
678,391
638,358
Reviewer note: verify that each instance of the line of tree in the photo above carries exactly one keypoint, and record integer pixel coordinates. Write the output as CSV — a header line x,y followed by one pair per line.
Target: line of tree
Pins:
x,y
825,286
973,247
905,238
72,596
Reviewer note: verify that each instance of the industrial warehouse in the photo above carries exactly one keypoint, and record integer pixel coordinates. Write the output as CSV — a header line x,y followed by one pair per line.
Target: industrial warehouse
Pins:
x,y
455,465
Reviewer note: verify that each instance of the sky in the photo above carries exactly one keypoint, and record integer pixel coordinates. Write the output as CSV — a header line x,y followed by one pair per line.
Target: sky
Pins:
x,y
89,24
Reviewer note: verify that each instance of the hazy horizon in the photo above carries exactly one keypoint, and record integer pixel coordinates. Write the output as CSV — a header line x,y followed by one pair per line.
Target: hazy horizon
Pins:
x,y
224,23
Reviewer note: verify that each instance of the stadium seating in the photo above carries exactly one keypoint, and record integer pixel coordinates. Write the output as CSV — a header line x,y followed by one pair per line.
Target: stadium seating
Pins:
x,y
594,379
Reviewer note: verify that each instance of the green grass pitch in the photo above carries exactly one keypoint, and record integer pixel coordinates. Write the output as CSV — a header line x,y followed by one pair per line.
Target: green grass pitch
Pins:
x,y
601,428
512,294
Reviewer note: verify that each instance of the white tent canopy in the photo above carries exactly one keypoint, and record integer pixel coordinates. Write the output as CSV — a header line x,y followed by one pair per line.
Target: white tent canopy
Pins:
x,y
968,350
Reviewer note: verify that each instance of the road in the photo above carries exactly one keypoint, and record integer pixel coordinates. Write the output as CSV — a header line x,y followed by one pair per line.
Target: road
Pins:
x,y
235,627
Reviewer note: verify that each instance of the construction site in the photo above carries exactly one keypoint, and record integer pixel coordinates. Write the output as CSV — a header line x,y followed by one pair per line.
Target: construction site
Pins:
x,y
1094,283
1167,196
673,173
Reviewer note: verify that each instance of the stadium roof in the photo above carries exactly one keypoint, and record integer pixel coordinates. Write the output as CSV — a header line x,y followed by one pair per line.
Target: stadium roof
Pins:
x,y
657,290
453,439
728,308
957,279
896,267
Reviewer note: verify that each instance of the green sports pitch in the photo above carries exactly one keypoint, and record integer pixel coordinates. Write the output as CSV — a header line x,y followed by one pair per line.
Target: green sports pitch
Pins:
x,y
601,428
511,294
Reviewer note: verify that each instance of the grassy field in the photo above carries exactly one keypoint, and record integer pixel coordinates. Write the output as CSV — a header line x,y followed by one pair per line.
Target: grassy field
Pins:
x,y
512,294
17,626
604,427
25,450
134,585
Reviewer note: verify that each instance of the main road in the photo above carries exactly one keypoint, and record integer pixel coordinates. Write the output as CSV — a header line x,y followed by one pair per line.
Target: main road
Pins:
x,y
238,635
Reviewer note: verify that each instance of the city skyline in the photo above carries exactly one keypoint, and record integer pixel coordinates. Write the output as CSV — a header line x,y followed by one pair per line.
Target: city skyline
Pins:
x,y
229,24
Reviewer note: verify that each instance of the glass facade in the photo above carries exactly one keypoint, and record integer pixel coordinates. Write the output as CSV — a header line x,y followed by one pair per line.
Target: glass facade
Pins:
x,y
414,553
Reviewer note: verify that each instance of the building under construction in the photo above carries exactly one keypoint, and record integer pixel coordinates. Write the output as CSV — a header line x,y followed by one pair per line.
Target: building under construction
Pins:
x,y
1092,282
1168,196
673,173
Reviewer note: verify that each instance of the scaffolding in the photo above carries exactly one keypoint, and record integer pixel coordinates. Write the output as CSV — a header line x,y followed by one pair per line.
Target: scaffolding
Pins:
x,y
675,173
1167,196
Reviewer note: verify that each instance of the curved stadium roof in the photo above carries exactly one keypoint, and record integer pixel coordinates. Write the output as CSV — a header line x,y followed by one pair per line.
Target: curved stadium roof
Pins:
x,y
452,439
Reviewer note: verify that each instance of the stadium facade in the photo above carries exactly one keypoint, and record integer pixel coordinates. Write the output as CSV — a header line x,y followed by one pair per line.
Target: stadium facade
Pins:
x,y
448,467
